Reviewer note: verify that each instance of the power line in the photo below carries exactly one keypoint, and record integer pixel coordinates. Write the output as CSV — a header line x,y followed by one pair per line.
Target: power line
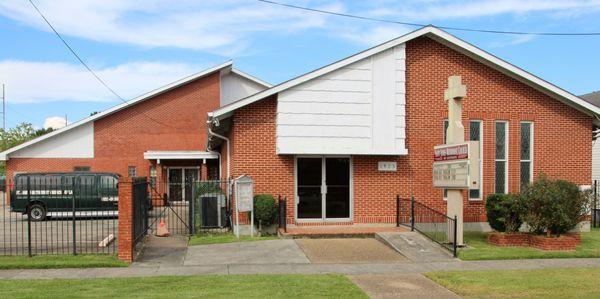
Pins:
x,y
423,25
85,64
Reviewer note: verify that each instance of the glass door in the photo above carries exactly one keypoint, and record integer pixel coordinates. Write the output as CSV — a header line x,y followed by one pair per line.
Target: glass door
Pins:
x,y
323,188
337,183
309,182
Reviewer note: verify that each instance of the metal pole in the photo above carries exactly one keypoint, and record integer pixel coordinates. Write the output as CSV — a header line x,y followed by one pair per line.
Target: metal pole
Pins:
x,y
454,243
397,210
285,214
73,218
28,217
191,209
412,213
3,108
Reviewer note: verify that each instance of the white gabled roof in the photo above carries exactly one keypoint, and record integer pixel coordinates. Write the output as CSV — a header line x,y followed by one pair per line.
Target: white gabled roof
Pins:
x,y
440,36
148,95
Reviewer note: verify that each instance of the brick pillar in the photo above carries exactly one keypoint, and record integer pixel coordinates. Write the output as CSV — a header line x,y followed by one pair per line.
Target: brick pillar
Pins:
x,y
125,237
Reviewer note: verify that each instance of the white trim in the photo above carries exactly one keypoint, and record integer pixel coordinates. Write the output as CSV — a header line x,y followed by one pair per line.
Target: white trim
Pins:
x,y
179,155
324,195
480,121
506,151
4,155
440,36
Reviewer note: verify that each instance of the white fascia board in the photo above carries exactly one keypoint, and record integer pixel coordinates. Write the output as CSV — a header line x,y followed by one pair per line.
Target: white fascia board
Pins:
x,y
178,155
119,107
251,78
441,36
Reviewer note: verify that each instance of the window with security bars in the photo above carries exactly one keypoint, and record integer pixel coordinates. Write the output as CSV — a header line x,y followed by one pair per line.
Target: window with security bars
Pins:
x,y
526,153
501,158
476,134
446,123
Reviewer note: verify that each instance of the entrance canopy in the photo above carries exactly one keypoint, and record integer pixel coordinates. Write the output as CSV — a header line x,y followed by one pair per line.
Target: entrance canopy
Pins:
x,y
179,155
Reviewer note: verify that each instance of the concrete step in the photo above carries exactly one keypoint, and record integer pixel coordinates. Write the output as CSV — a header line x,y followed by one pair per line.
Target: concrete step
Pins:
x,y
415,246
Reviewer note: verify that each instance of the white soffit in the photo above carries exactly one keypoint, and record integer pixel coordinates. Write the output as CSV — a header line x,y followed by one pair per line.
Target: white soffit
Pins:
x,y
179,155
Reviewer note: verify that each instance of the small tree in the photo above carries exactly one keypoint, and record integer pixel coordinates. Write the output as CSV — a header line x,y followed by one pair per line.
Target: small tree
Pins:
x,y
17,135
505,212
553,206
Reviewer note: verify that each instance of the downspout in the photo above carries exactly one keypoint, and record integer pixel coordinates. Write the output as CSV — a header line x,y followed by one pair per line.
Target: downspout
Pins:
x,y
211,133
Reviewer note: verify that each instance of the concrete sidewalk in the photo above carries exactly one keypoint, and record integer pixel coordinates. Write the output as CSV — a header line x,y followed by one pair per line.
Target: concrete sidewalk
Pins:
x,y
349,269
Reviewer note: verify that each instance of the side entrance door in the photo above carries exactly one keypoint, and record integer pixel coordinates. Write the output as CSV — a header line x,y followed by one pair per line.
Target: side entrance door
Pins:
x,y
323,188
181,181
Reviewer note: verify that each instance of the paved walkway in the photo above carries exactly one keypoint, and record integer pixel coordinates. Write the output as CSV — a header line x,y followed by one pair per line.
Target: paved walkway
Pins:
x,y
349,269
401,286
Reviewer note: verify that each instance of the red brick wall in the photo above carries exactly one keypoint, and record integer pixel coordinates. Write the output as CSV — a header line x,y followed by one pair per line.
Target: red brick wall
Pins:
x,y
120,139
253,152
562,143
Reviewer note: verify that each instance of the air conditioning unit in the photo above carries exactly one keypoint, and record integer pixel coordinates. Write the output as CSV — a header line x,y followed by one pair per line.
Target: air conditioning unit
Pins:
x,y
212,207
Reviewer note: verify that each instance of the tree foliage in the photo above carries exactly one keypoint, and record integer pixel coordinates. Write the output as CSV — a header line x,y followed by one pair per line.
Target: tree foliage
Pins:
x,y
17,135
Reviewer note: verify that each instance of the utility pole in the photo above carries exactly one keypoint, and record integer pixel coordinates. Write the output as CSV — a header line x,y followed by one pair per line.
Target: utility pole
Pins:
x,y
3,109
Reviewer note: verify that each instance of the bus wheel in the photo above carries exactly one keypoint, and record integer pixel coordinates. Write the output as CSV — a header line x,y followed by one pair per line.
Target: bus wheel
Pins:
x,y
37,212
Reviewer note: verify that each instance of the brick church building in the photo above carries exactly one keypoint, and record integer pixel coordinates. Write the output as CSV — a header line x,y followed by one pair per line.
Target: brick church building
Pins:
x,y
320,139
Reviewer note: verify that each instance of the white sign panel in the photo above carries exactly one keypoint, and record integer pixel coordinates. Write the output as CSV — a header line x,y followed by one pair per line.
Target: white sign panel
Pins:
x,y
451,174
244,194
387,166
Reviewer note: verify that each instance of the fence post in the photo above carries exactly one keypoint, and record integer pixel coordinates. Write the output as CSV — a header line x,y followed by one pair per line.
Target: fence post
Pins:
x,y
28,217
73,223
125,225
454,243
285,214
412,213
397,210
595,204
192,204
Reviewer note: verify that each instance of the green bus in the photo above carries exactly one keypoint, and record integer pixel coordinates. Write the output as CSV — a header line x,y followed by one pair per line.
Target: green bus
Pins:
x,y
42,195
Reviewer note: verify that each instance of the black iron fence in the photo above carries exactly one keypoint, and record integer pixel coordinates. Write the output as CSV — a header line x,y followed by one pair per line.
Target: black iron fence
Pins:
x,y
141,208
59,214
427,221
185,208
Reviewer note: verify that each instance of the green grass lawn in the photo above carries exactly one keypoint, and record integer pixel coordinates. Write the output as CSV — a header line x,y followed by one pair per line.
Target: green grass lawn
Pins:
x,y
224,238
60,261
547,283
479,249
219,286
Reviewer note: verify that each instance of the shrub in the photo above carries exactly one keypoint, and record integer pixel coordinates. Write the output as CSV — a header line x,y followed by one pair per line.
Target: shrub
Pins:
x,y
553,206
265,209
505,212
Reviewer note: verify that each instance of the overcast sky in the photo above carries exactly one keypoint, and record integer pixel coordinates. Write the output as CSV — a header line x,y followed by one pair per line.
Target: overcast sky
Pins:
x,y
136,46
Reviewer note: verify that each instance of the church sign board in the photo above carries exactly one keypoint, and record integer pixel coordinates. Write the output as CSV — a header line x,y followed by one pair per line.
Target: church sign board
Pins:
x,y
456,165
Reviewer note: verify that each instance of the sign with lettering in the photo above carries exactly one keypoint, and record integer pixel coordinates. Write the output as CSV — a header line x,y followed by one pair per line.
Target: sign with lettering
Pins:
x,y
387,166
456,166
451,152
244,194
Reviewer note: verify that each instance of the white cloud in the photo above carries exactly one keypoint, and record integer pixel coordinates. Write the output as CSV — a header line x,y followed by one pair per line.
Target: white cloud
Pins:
x,y
201,25
442,10
376,35
521,39
55,122
55,81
